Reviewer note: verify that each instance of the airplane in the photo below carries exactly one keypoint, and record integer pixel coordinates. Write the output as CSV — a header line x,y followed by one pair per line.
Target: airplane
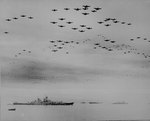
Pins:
x,y
59,47
85,13
59,40
107,19
83,25
112,41
54,50
81,31
52,41
23,15
107,24
61,19
30,17
131,39
110,49
116,21
66,42
106,40
86,6
69,22
8,19
123,22
89,27
93,11
97,8
74,28
15,18
100,22
66,8
113,19
53,22
54,10
61,26
97,44
6,32
77,9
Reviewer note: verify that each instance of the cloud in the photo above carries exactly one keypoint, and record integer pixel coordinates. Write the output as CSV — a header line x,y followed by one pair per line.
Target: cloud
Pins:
x,y
26,71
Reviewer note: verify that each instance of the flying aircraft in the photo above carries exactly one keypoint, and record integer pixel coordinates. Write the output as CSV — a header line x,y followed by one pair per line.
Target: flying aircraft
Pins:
x,y
69,22
61,26
53,22
66,8
83,25
61,19
15,18
97,8
74,28
23,15
8,19
54,10
30,17
85,13
77,9
81,31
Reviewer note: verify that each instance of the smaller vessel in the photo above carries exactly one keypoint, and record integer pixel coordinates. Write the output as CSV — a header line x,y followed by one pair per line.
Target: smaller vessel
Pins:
x,y
123,102
95,102
12,109
83,102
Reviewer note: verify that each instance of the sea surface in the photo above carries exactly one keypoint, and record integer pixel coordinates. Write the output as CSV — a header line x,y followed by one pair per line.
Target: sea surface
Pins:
x,y
77,112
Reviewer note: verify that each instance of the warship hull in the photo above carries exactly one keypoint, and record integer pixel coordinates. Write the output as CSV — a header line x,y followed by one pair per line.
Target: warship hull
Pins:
x,y
65,104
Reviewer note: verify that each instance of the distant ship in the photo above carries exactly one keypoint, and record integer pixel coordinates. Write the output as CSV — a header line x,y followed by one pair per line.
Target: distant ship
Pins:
x,y
83,102
95,102
12,109
92,102
123,102
45,101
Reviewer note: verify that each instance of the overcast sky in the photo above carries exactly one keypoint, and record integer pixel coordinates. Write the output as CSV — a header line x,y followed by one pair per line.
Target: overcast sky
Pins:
x,y
82,69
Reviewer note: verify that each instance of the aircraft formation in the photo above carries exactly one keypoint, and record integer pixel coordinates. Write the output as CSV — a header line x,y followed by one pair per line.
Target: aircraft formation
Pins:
x,y
84,10
102,43
21,16
23,53
17,18
81,28
110,21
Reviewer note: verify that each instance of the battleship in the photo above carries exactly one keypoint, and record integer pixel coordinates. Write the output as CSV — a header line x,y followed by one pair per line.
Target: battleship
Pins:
x,y
45,101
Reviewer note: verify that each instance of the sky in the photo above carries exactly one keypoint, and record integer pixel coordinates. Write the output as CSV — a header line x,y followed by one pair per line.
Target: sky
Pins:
x,y
28,60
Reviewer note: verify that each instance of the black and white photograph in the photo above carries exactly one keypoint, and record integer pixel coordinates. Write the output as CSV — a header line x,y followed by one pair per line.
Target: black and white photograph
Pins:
x,y
74,60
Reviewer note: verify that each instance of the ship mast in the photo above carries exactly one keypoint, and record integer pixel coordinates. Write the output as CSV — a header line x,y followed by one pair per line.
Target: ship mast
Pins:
x,y
0,92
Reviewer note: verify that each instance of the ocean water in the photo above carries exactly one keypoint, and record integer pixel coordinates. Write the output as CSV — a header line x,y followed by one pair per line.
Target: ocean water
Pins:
x,y
77,112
